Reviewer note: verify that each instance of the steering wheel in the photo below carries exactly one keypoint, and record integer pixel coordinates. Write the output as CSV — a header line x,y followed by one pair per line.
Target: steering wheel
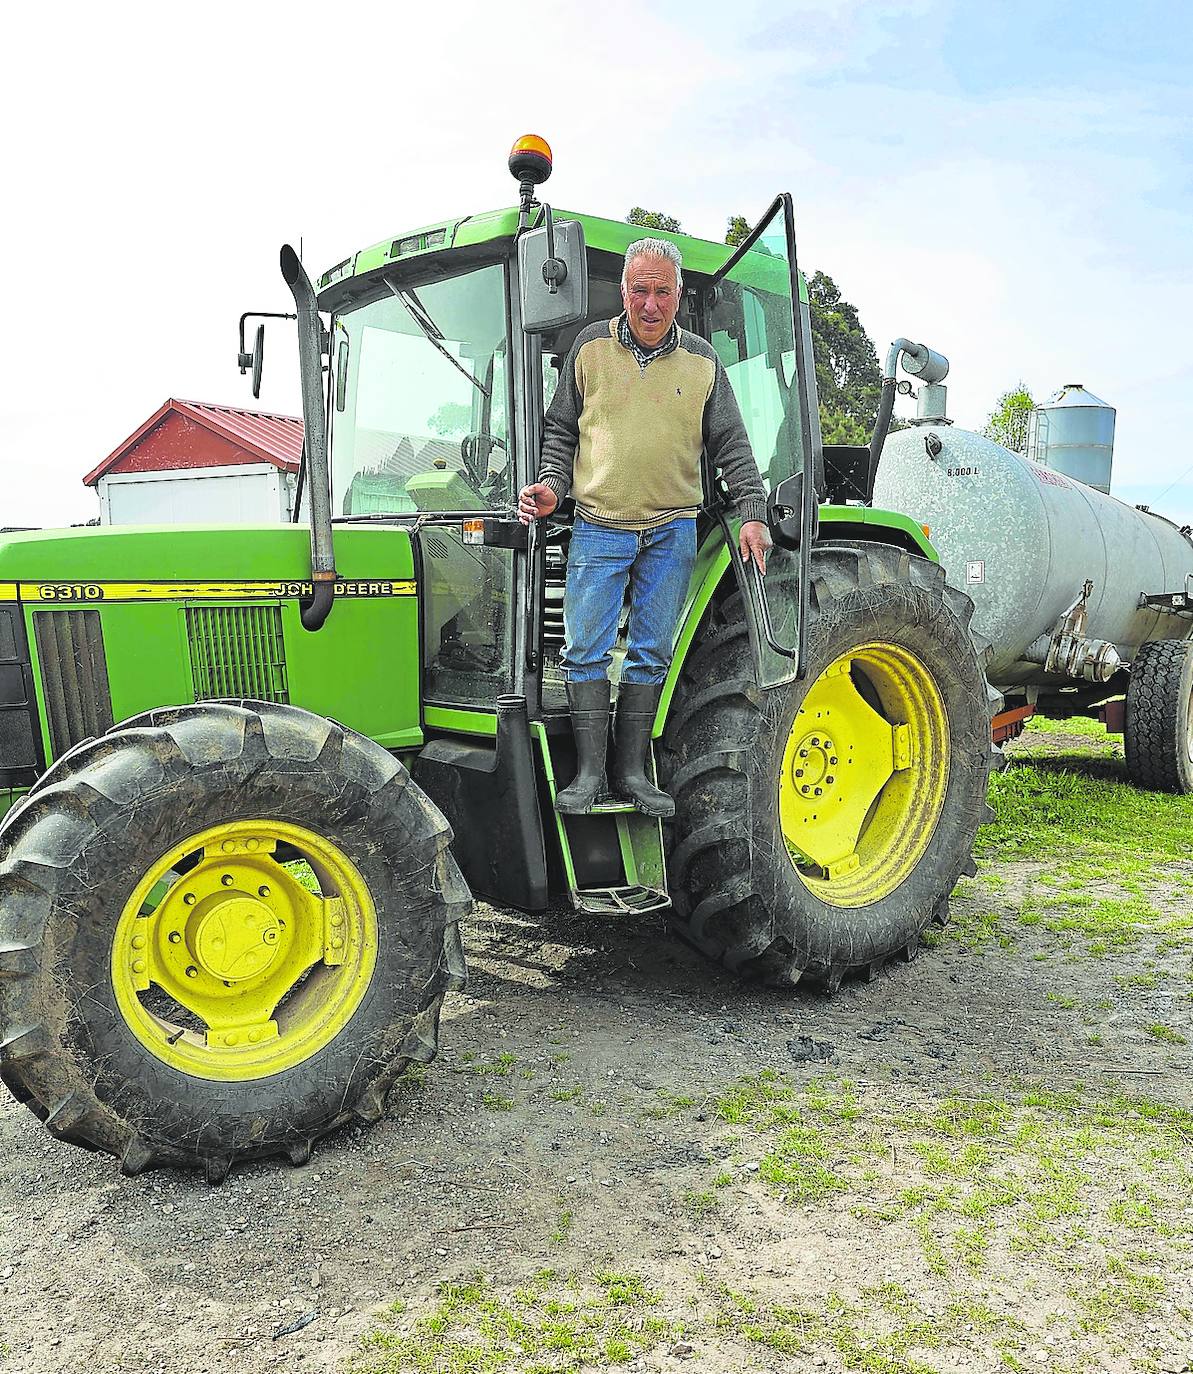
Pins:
x,y
472,447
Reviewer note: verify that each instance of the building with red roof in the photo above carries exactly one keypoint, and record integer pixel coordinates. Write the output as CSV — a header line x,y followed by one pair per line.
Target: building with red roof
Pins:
x,y
193,463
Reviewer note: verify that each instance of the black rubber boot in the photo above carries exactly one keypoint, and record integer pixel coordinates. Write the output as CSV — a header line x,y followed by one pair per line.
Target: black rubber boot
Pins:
x,y
589,705
637,705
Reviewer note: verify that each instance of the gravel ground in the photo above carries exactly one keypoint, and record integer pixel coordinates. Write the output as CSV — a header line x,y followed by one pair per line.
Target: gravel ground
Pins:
x,y
578,1119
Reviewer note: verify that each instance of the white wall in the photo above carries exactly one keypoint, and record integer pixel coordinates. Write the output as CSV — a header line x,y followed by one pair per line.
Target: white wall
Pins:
x,y
249,494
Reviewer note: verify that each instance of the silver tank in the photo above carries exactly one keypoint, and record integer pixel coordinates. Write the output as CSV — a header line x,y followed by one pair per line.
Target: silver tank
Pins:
x,y
1023,540
1073,433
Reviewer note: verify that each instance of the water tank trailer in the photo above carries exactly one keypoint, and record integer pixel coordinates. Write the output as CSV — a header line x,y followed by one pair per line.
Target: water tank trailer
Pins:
x,y
1081,597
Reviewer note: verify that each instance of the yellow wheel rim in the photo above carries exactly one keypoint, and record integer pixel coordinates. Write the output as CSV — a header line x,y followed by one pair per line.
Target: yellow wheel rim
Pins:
x,y
228,964
864,775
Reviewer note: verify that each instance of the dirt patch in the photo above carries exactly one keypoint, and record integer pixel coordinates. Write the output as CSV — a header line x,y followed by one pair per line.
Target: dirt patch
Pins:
x,y
981,1160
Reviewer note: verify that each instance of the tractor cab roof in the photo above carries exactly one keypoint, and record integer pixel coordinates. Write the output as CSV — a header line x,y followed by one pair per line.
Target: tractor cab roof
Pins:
x,y
700,256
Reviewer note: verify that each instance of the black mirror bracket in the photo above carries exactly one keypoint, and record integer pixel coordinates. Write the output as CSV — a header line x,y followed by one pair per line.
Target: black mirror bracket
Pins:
x,y
785,513
555,271
246,359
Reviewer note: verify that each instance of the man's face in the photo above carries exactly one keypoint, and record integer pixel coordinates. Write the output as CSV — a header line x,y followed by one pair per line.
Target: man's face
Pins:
x,y
650,298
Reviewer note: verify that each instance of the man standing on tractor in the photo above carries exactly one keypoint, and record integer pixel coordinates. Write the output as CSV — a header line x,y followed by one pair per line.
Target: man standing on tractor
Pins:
x,y
638,400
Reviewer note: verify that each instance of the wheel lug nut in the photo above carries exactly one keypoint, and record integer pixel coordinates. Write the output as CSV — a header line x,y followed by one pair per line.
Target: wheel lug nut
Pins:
x,y
263,891
833,760
799,772
805,789
192,972
189,898
175,938
227,880
830,778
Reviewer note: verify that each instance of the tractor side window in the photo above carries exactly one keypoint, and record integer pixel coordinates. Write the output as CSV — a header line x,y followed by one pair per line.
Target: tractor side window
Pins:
x,y
750,328
422,421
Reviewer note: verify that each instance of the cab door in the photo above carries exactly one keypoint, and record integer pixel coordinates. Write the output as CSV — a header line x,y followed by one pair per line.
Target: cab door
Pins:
x,y
755,314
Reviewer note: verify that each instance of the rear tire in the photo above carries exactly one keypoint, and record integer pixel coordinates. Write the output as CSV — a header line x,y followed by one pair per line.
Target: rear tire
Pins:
x,y
340,974
888,644
1158,729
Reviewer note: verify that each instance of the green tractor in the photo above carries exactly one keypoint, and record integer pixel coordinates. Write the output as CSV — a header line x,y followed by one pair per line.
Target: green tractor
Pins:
x,y
252,779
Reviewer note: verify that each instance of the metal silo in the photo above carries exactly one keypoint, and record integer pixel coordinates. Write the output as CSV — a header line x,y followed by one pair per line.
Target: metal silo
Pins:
x,y
1074,433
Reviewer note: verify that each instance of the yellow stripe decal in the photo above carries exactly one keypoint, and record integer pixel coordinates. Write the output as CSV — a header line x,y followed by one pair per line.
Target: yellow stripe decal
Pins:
x,y
91,592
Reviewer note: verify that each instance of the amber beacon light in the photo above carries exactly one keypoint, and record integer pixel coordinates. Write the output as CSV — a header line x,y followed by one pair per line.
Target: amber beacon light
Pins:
x,y
530,160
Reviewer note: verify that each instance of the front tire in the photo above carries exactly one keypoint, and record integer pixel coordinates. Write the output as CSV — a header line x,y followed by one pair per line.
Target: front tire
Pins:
x,y
225,929
821,826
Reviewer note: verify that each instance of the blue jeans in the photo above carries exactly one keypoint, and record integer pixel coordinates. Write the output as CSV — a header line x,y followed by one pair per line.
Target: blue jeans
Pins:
x,y
657,565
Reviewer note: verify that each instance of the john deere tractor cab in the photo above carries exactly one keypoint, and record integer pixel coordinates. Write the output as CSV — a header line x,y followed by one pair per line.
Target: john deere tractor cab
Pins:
x,y
254,775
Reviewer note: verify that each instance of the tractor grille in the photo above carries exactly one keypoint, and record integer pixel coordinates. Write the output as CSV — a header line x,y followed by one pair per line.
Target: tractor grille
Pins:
x,y
74,674
237,651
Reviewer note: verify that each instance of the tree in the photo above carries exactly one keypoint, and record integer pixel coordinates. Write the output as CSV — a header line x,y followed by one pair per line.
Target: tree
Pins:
x,y
1007,424
848,377
738,231
653,219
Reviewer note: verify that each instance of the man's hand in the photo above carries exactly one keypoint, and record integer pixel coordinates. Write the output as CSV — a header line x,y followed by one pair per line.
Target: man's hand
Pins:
x,y
536,501
755,540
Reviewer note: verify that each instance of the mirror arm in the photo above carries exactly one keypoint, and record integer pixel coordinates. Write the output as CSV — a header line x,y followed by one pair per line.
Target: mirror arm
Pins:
x,y
245,359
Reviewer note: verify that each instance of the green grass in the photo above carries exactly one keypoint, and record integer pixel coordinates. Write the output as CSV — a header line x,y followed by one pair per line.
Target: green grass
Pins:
x,y
552,1323
971,1182
971,1202
881,1331
1167,1034
501,1067
1044,810
1061,1000
1075,725
700,1204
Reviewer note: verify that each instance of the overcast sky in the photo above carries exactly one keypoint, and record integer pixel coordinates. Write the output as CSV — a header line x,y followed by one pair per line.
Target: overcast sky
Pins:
x,y
1009,183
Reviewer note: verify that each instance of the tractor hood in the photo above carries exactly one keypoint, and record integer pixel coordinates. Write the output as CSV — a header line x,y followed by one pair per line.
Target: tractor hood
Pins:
x,y
161,554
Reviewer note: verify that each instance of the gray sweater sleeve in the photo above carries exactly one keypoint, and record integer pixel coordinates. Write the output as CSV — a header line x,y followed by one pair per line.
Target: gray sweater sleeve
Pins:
x,y
728,447
561,426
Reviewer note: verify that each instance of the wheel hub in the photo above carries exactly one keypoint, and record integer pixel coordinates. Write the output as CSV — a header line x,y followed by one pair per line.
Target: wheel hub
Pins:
x,y
813,765
262,961
237,938
863,777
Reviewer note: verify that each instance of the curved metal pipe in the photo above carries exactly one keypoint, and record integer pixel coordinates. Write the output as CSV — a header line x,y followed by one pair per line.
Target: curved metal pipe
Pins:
x,y
922,362
310,366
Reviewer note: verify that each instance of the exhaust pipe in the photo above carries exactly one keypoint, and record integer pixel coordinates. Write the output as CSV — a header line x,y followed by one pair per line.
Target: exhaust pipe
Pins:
x,y
310,353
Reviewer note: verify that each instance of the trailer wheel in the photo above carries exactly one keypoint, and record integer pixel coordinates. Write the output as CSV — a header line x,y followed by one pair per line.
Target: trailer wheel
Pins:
x,y
1158,729
820,827
225,929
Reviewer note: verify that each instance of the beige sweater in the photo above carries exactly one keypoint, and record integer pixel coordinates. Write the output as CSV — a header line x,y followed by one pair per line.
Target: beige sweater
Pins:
x,y
625,440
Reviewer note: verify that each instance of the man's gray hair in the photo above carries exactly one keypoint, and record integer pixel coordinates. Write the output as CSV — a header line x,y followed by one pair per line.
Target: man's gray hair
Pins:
x,y
654,248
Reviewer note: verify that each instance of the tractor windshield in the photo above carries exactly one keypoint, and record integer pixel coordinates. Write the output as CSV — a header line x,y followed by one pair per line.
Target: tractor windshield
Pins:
x,y
421,419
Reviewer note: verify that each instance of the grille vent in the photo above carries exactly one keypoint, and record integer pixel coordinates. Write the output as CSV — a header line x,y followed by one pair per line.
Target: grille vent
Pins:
x,y
74,674
237,651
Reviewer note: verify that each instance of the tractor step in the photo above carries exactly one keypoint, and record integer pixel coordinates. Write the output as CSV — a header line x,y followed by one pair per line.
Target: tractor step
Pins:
x,y
610,808
612,856
633,899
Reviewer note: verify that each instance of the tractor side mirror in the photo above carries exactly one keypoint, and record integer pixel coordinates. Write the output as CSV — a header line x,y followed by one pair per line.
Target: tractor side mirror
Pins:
x,y
553,274
258,360
342,375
